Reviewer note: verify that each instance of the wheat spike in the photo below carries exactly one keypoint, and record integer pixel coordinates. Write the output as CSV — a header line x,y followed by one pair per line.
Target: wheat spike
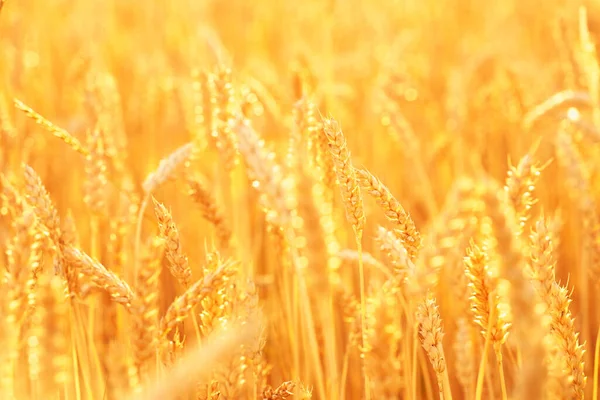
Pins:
x,y
205,200
60,133
98,275
393,211
178,261
346,175
167,167
182,305
557,302
431,334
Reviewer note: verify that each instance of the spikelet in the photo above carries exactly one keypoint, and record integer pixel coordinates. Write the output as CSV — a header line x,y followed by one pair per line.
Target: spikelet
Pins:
x,y
346,175
407,231
167,167
178,262
60,133
557,301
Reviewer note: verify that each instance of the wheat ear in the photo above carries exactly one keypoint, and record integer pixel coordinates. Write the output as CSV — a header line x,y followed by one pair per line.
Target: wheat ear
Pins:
x,y
178,261
182,305
145,308
166,170
431,334
210,210
266,175
393,211
557,300
520,184
38,197
60,133
222,102
98,275
282,392
96,181
346,175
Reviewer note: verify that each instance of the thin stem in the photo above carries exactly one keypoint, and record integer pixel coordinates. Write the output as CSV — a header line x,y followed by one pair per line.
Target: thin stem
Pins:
x,y
138,237
427,384
307,313
415,345
345,371
498,350
196,325
484,356
596,365
583,285
363,311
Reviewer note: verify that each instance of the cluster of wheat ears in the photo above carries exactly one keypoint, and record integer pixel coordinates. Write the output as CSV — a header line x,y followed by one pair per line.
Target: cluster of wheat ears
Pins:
x,y
181,216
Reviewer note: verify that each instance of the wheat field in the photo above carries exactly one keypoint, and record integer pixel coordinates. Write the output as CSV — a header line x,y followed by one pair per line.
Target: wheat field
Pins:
x,y
359,199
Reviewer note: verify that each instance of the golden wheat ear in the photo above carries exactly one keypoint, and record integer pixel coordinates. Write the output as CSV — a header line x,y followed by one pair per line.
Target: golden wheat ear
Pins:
x,y
346,175
60,133
178,261
431,335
